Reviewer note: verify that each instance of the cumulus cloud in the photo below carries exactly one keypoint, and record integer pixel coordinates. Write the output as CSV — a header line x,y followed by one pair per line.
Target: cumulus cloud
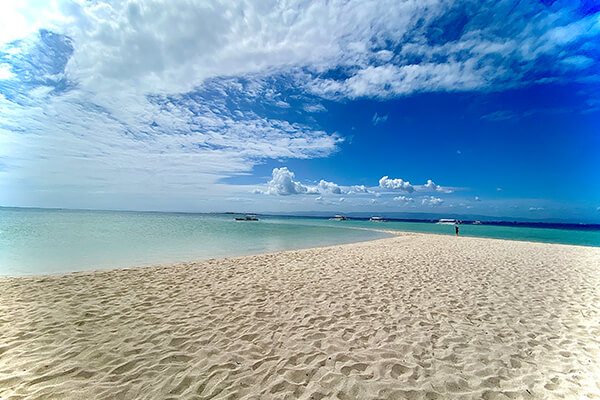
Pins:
x,y
379,118
360,189
331,187
82,140
96,84
396,184
431,201
431,186
282,183
404,199
401,185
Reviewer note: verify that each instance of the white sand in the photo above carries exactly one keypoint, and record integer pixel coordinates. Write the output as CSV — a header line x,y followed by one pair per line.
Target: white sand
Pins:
x,y
412,317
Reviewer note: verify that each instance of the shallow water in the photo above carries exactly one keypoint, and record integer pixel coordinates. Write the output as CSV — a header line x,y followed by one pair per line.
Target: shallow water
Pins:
x,y
39,241
546,235
36,241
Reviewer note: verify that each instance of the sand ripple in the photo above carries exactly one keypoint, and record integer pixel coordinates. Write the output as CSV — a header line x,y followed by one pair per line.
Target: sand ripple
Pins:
x,y
411,317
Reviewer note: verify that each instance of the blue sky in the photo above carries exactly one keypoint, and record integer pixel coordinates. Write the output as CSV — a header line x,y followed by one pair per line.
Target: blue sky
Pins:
x,y
488,108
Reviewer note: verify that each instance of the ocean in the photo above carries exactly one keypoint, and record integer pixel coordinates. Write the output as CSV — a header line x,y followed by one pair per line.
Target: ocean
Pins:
x,y
46,241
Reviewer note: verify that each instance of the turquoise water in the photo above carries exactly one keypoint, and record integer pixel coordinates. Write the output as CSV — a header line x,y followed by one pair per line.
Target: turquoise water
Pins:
x,y
35,241
546,235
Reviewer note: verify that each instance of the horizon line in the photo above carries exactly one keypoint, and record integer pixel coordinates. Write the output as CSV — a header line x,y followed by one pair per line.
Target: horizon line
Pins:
x,y
325,214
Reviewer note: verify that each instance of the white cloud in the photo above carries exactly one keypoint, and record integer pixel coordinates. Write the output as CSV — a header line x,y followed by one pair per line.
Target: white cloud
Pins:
x,y
331,187
282,104
404,199
325,202
18,20
137,42
396,80
379,118
360,189
477,198
5,72
314,108
578,61
136,96
499,189
431,186
396,184
431,201
190,144
282,183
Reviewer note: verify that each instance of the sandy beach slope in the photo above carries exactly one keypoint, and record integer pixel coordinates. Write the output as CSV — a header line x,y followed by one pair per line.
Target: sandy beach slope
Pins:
x,y
411,317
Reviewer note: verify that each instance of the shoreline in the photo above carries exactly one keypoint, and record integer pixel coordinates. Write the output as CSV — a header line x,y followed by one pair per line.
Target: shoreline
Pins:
x,y
411,316
166,264
483,237
393,234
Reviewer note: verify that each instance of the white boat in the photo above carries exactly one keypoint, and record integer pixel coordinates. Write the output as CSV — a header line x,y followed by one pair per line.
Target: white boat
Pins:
x,y
477,223
377,219
338,218
447,221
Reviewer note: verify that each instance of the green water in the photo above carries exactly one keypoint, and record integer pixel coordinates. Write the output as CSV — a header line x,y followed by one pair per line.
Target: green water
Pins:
x,y
35,241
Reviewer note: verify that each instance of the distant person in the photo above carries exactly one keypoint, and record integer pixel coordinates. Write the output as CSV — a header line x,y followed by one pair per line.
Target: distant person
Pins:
x,y
456,228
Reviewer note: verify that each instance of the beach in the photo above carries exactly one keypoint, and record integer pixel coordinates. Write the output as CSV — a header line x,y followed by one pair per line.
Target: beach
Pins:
x,y
415,316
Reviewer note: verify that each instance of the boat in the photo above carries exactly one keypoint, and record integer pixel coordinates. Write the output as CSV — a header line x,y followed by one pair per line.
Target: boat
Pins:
x,y
477,223
377,219
447,221
338,218
248,217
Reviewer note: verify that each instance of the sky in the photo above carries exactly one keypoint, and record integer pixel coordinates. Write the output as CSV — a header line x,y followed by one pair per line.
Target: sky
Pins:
x,y
446,107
